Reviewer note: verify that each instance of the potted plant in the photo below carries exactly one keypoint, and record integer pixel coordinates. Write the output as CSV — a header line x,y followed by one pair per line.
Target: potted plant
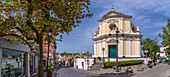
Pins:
x,y
123,56
140,68
129,70
49,71
99,58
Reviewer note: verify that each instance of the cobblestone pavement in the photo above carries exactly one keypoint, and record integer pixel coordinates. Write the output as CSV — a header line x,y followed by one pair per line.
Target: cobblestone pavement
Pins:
x,y
162,70
72,72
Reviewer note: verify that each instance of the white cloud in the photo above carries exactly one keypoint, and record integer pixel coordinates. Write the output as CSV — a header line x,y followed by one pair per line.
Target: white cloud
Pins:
x,y
149,15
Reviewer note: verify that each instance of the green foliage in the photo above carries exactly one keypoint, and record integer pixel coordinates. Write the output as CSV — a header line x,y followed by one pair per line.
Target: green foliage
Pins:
x,y
166,36
129,68
139,65
122,63
50,69
62,54
150,45
31,20
98,57
124,56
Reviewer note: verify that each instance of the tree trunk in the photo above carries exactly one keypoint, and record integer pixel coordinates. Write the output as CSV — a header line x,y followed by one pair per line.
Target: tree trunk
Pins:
x,y
40,58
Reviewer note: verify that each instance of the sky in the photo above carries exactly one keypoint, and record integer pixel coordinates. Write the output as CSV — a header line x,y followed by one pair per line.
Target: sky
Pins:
x,y
149,15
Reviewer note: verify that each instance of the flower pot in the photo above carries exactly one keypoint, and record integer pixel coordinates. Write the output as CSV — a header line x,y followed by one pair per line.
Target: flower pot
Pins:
x,y
50,74
140,68
129,71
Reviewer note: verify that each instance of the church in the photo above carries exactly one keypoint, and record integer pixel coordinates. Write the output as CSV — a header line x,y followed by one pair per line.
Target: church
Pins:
x,y
117,27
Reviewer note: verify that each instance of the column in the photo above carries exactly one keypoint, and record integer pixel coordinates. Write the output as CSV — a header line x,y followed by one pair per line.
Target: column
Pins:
x,y
33,63
100,28
0,59
27,64
95,49
22,61
129,48
104,27
36,63
138,48
121,24
129,26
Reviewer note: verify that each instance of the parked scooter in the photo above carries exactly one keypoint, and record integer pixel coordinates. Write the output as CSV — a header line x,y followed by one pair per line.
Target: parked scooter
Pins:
x,y
149,64
154,63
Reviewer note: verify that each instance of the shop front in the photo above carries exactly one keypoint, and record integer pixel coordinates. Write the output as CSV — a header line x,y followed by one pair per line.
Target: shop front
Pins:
x,y
17,60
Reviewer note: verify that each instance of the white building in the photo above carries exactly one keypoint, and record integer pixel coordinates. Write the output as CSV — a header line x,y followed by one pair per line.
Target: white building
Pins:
x,y
83,63
162,51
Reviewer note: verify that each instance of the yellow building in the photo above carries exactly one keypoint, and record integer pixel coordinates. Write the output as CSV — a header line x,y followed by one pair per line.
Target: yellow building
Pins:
x,y
129,38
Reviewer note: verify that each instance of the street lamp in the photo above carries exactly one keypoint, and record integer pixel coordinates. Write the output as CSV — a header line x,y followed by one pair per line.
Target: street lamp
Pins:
x,y
153,56
146,51
103,57
87,60
117,31
49,35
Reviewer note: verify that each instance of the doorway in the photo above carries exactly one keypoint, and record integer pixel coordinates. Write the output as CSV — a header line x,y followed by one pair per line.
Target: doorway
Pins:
x,y
112,51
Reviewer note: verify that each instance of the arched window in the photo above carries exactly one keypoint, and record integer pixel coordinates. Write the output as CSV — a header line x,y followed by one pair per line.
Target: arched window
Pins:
x,y
112,26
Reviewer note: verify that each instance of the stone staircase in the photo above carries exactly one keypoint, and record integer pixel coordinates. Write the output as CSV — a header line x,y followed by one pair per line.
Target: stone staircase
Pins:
x,y
96,66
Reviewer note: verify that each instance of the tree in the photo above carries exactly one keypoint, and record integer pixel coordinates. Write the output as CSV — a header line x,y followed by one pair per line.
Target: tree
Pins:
x,y
30,20
150,45
165,35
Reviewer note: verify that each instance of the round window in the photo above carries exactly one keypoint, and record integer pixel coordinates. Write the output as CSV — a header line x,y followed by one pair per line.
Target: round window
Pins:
x,y
112,26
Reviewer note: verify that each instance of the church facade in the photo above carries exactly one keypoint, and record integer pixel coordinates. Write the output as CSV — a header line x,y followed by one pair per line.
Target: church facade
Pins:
x,y
105,38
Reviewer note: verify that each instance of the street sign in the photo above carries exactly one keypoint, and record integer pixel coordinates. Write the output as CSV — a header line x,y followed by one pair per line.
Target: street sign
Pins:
x,y
146,51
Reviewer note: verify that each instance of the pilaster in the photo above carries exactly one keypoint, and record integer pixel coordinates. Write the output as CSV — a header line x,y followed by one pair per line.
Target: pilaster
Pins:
x,y
104,45
128,25
121,41
95,48
27,64
100,28
100,48
129,48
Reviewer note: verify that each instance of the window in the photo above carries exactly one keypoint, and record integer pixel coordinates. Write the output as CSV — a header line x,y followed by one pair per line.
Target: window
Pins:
x,y
12,64
112,26
32,64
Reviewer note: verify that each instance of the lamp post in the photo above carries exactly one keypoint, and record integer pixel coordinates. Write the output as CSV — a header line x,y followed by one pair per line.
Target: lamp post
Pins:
x,y
103,57
146,51
153,53
49,35
88,60
117,31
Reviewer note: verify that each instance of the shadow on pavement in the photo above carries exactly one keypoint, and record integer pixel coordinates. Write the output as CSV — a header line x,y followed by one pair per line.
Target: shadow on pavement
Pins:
x,y
113,75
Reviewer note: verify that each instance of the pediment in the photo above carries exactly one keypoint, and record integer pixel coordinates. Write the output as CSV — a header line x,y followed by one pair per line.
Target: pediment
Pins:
x,y
113,14
111,41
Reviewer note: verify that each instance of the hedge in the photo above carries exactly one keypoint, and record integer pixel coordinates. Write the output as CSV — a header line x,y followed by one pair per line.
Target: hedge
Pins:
x,y
122,63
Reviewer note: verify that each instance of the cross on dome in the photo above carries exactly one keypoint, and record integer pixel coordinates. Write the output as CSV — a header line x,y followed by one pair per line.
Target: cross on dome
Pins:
x,y
112,8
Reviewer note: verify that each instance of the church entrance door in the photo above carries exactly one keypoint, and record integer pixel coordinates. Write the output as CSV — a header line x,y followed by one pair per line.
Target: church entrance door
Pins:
x,y
112,51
